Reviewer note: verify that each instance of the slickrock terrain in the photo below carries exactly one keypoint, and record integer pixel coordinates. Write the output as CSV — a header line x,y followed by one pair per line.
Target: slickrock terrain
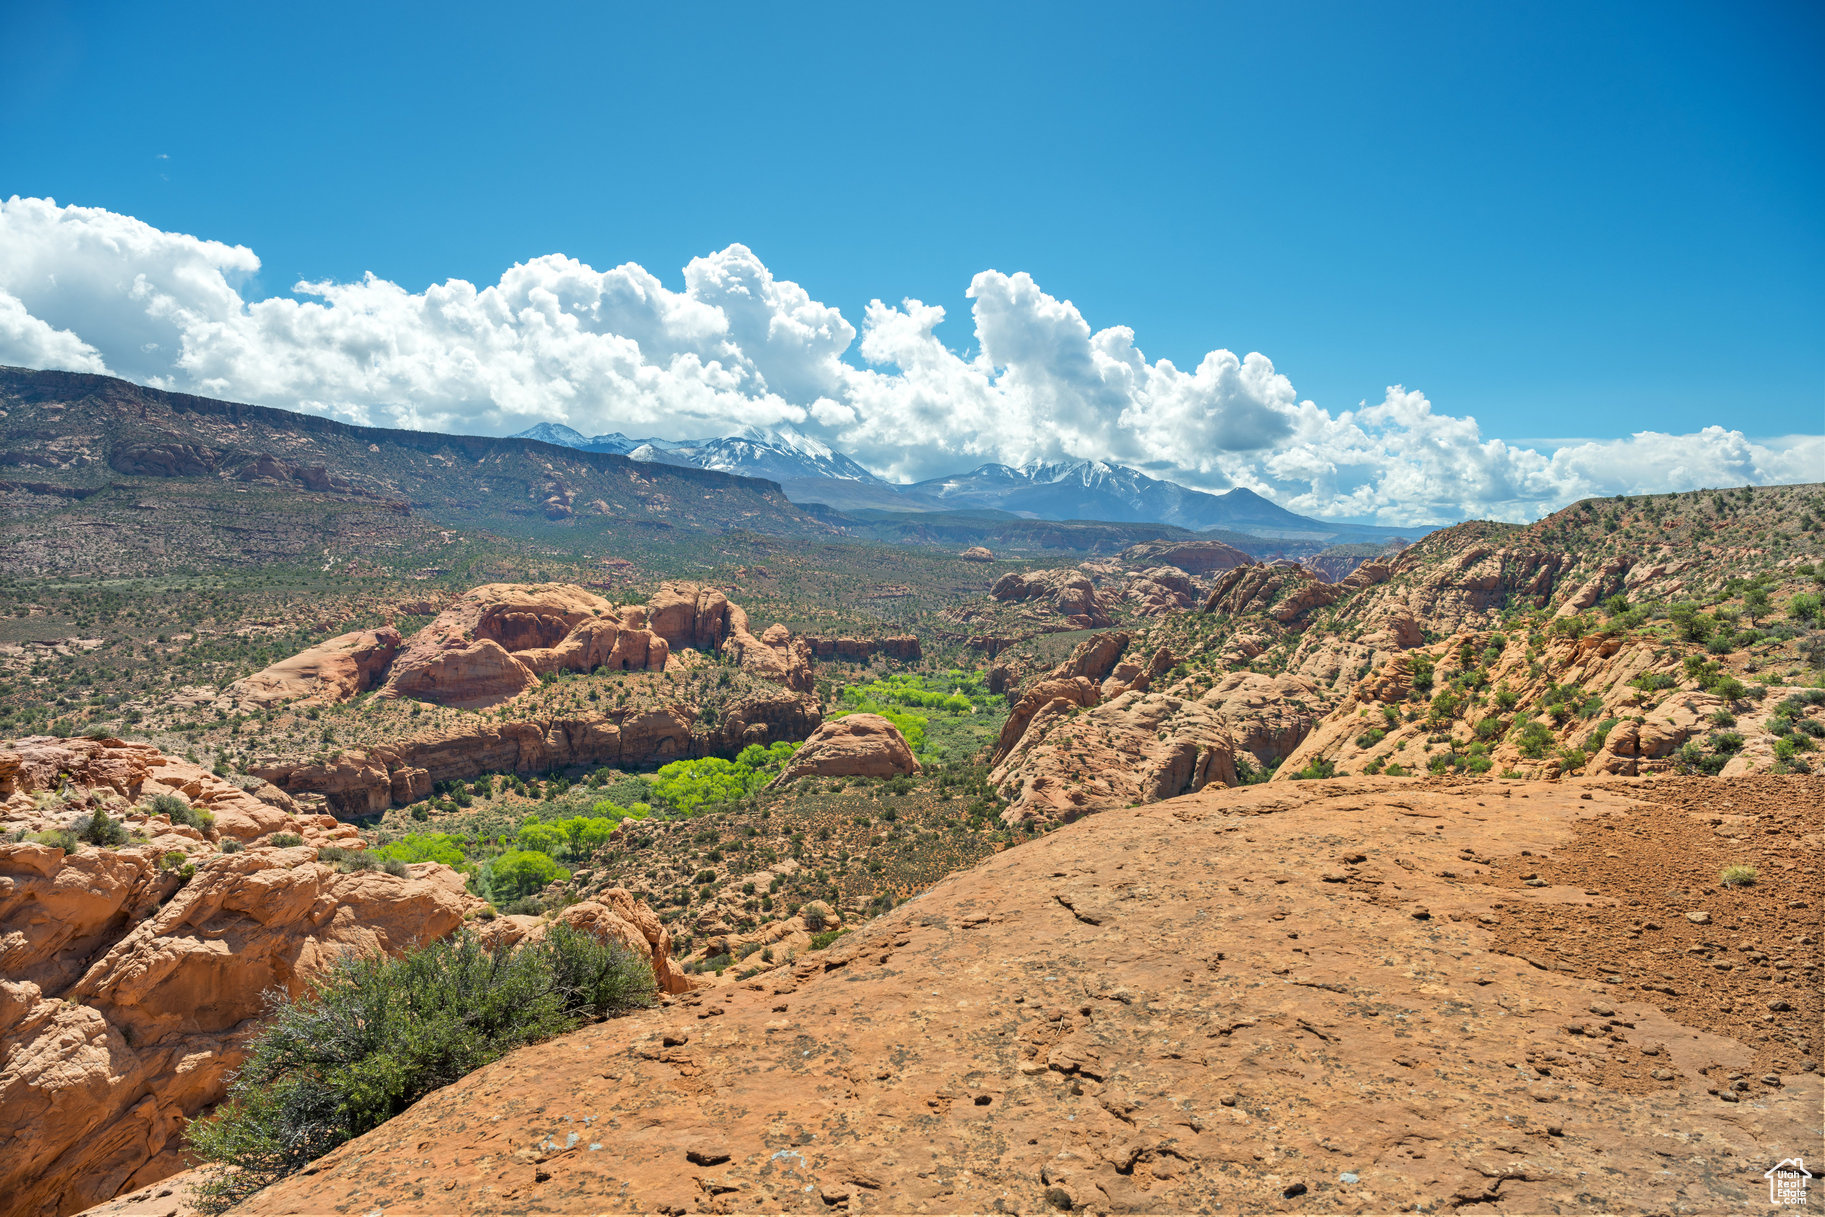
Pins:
x,y
1360,995
132,978
333,670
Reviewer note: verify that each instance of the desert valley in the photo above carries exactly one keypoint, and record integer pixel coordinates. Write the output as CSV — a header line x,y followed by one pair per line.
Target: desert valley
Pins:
x,y
409,822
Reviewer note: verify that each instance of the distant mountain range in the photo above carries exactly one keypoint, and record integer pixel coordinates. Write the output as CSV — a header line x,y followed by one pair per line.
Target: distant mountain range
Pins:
x,y
812,472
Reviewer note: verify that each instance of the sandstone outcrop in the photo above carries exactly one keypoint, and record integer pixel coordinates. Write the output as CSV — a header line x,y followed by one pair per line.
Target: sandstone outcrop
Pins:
x,y
1192,557
1098,732
856,745
495,641
1116,1017
1619,727
1159,590
334,670
1066,593
46,781
102,1071
134,977
364,781
977,553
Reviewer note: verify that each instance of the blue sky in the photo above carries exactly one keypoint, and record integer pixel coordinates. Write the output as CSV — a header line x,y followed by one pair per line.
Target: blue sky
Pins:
x,y
1565,220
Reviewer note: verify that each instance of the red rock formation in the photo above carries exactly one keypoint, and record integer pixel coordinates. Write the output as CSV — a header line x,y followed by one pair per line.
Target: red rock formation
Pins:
x,y
1159,590
977,553
117,775
101,1073
856,745
334,670
1192,557
1067,593
492,644
366,781
133,985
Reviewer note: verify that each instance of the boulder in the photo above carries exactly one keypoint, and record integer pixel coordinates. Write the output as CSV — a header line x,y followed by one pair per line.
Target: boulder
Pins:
x,y
856,745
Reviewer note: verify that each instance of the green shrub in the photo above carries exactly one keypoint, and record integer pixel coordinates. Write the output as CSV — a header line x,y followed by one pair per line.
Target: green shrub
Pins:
x,y
1738,876
285,840
376,1034
58,838
101,829
519,873
1694,757
1729,688
427,847
1316,768
824,938
178,811
1534,739
1804,607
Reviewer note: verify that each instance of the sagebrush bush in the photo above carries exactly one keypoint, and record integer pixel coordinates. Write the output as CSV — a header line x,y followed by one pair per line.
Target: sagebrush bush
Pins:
x,y
377,1034
99,828
179,812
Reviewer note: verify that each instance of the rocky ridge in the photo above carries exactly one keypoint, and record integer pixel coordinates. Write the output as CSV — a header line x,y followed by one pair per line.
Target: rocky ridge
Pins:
x,y
1279,668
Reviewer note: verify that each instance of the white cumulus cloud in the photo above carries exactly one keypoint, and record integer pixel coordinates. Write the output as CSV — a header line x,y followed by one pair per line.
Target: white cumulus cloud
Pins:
x,y
90,290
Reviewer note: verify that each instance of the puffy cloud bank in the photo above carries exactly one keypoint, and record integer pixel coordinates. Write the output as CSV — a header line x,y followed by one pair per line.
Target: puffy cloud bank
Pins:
x,y
90,290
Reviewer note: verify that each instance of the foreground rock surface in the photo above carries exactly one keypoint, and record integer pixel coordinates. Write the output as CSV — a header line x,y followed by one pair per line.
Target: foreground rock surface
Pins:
x,y
1347,996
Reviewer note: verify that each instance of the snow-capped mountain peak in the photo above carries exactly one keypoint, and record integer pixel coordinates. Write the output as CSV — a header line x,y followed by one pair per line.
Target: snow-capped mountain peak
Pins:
x,y
777,456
